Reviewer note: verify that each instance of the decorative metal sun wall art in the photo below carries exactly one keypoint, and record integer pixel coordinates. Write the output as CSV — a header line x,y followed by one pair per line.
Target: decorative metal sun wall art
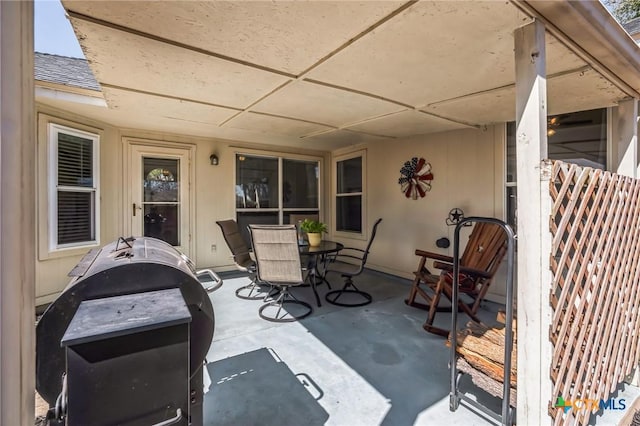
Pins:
x,y
415,178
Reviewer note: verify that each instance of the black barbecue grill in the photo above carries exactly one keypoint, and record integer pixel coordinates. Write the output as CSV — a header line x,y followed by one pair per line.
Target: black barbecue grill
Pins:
x,y
132,266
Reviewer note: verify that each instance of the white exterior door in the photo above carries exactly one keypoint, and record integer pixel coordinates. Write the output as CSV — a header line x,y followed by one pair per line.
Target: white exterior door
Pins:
x,y
160,193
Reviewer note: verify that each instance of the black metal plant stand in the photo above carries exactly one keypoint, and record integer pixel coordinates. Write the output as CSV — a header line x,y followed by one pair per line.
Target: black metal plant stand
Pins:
x,y
455,396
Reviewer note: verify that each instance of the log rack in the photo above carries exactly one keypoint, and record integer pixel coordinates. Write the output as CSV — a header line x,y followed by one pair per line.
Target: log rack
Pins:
x,y
455,395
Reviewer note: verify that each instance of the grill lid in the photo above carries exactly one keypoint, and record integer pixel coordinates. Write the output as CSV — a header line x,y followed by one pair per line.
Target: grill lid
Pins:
x,y
140,266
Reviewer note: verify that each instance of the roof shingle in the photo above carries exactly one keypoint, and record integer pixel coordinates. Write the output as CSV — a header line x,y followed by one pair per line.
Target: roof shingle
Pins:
x,y
632,27
64,70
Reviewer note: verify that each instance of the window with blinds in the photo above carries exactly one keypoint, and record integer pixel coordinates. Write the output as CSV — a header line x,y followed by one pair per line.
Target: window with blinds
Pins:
x,y
74,195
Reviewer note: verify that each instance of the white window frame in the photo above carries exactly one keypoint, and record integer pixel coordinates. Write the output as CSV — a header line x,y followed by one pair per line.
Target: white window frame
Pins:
x,y
52,178
362,235
281,210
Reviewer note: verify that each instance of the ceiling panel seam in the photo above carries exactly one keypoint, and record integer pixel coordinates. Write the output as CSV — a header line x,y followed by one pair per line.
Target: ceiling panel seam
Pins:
x,y
261,98
185,120
358,92
330,127
363,33
322,132
174,43
454,120
382,98
162,95
368,119
582,69
295,119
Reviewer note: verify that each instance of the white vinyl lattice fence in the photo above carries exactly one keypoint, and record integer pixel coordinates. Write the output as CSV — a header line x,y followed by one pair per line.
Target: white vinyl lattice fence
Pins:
x,y
595,293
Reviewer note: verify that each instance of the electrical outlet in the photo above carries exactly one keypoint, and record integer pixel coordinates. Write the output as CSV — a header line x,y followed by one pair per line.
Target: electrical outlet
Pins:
x,y
214,248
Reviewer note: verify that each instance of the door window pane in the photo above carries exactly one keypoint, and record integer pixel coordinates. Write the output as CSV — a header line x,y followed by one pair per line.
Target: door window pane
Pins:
x,y
161,189
299,184
256,182
161,221
161,180
349,175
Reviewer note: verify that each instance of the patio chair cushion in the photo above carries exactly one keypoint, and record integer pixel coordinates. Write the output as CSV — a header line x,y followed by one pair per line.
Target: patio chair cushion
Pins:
x,y
277,255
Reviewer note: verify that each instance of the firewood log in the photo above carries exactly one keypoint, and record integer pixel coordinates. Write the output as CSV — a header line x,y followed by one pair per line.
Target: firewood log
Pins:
x,y
491,369
490,349
485,382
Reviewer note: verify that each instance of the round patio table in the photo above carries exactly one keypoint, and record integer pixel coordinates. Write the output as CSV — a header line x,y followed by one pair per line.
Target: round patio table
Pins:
x,y
315,255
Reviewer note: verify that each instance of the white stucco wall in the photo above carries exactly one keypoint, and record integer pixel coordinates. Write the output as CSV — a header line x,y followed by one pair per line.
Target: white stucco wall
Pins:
x,y
213,191
468,173
467,167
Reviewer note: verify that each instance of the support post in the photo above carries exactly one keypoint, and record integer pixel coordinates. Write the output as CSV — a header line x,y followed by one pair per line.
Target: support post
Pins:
x,y
17,214
624,125
534,237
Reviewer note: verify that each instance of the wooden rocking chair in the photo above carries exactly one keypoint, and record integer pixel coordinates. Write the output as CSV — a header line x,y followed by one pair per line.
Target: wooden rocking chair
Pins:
x,y
481,258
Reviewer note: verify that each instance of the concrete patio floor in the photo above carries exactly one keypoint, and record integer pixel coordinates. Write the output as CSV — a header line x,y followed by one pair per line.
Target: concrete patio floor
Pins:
x,y
371,365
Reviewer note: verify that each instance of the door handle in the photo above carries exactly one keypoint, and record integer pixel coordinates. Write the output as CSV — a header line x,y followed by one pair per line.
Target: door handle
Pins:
x,y
135,208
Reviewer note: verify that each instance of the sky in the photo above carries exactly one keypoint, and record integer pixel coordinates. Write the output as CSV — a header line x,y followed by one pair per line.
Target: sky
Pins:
x,y
53,33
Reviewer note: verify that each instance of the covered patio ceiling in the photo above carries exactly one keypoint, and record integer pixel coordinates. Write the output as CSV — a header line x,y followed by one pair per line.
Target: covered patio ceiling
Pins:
x,y
321,75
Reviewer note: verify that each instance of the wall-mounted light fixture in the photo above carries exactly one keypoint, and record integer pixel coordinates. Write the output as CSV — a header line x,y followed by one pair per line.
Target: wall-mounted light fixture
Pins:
x,y
213,159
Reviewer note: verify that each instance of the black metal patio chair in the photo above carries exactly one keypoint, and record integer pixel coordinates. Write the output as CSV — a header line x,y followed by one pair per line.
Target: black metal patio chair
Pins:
x,y
349,265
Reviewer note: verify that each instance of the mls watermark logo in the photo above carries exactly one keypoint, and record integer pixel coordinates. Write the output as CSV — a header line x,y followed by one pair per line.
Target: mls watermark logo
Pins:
x,y
592,405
